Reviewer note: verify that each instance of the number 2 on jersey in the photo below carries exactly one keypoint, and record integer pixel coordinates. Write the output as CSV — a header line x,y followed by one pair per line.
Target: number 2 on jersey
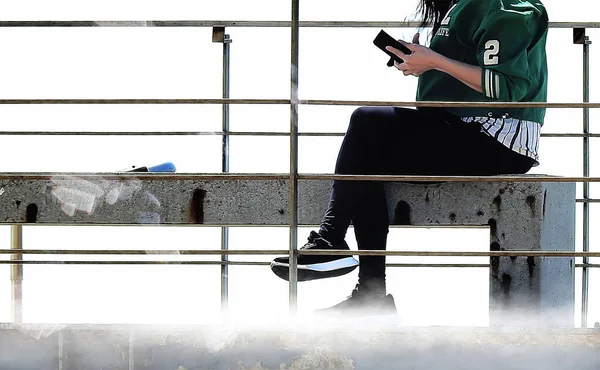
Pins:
x,y
492,48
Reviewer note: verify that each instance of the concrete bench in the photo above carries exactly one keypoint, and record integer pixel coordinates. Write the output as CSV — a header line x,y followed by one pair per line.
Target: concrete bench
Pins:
x,y
524,291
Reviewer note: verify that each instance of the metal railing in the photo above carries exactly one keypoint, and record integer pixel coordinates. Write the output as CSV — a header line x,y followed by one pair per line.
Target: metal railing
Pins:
x,y
219,35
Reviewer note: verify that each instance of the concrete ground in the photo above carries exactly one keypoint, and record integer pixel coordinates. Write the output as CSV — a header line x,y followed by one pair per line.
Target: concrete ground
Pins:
x,y
294,347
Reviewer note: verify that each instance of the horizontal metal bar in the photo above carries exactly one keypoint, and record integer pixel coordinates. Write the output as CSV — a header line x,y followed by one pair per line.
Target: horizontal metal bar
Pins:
x,y
191,252
247,263
514,253
449,104
276,24
436,104
311,252
587,200
144,176
62,262
214,133
412,178
193,225
161,133
111,133
143,101
439,265
467,265
206,23
230,263
570,135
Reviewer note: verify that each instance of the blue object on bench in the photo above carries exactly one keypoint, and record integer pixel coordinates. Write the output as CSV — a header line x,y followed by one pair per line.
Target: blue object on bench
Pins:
x,y
163,167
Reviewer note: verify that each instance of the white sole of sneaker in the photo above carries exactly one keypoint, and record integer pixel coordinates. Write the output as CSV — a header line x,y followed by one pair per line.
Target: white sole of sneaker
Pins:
x,y
324,266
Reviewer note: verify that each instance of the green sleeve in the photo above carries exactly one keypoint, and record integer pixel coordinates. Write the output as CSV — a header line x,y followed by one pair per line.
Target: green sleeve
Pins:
x,y
502,42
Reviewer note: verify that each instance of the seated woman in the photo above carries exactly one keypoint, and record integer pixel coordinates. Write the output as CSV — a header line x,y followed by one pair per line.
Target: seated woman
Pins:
x,y
481,51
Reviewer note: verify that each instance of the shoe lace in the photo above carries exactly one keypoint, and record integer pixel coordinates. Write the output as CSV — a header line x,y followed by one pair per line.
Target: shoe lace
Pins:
x,y
313,236
360,292
356,293
312,240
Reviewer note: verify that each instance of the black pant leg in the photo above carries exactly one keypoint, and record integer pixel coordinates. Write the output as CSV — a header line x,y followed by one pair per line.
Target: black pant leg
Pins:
x,y
386,140
373,144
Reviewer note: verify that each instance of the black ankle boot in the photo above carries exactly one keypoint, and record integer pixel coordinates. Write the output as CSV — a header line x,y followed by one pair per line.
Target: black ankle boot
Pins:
x,y
367,299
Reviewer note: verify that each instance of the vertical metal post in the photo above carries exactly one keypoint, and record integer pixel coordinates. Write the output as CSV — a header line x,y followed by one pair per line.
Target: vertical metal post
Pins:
x,y
586,185
225,168
16,274
220,37
293,278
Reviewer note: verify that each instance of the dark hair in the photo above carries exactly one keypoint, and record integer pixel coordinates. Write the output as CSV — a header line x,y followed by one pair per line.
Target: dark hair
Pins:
x,y
432,12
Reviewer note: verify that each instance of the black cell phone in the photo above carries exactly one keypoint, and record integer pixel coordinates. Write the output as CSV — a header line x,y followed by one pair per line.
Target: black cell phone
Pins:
x,y
383,40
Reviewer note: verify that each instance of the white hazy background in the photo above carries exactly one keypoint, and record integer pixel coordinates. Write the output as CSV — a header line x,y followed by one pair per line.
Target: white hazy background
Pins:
x,y
184,63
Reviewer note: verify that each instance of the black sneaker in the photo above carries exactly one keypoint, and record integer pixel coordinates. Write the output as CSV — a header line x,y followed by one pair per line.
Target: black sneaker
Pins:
x,y
316,267
362,303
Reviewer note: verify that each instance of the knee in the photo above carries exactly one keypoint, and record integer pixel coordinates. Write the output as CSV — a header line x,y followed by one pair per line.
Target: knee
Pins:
x,y
361,119
361,113
371,115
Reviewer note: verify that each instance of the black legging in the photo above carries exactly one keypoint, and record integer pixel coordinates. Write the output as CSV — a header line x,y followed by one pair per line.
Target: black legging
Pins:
x,y
399,141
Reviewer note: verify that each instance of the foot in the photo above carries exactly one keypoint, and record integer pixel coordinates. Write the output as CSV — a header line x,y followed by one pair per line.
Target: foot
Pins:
x,y
316,267
362,303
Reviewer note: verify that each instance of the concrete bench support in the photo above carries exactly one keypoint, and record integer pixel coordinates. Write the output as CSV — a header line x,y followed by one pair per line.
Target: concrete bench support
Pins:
x,y
524,291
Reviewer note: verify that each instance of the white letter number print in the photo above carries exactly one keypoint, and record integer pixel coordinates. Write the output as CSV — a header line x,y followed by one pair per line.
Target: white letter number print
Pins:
x,y
492,48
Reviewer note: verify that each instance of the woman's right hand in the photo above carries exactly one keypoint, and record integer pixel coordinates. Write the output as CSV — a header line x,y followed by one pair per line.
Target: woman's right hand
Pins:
x,y
420,60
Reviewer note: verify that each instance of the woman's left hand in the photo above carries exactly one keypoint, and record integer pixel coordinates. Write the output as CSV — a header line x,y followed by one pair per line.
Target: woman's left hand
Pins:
x,y
421,60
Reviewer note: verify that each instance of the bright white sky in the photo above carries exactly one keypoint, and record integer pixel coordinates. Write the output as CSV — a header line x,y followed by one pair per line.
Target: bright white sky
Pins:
x,y
183,63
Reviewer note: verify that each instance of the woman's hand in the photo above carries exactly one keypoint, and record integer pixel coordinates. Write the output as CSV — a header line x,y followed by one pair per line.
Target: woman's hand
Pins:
x,y
421,60
424,59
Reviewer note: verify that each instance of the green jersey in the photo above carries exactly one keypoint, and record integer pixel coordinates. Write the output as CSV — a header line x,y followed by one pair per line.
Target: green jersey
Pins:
x,y
507,39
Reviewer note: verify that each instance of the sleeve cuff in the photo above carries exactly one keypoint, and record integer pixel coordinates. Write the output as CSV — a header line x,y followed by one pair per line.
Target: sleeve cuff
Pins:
x,y
490,84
